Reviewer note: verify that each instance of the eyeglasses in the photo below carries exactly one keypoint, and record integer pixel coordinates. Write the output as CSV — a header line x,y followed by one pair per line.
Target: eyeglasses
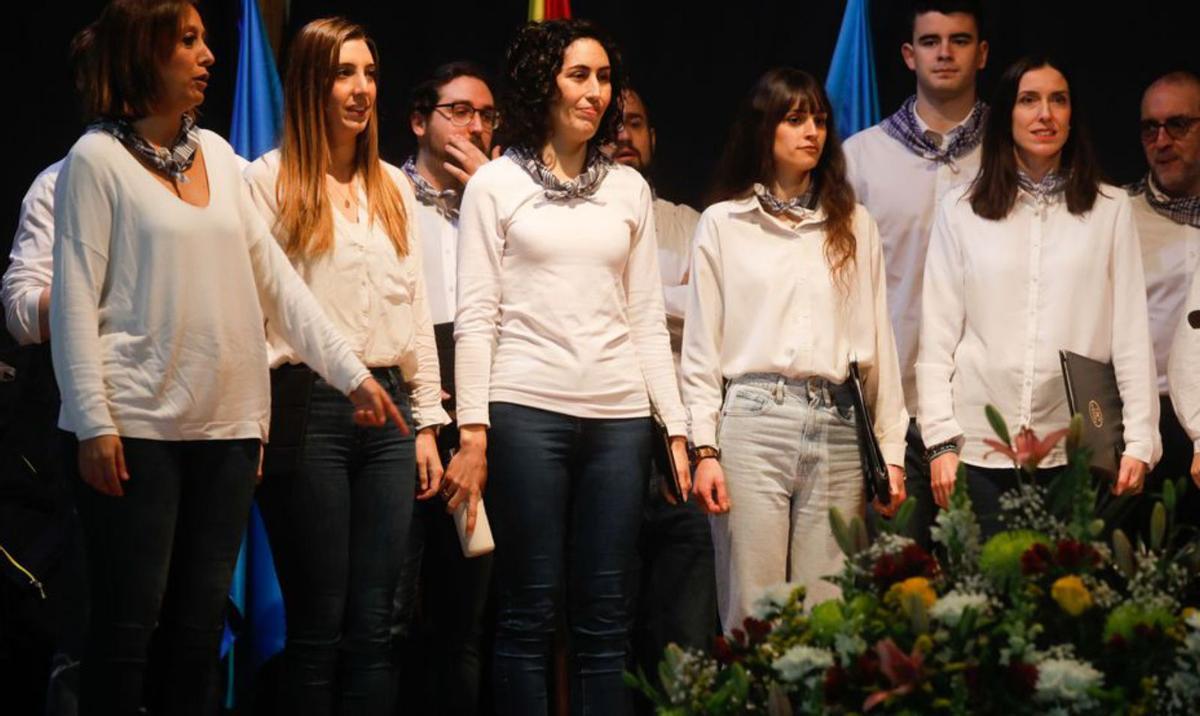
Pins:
x,y
461,114
1177,127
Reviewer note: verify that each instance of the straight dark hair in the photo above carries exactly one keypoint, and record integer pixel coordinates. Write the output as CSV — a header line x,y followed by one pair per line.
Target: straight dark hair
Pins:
x,y
974,8
424,95
115,58
994,191
749,156
533,60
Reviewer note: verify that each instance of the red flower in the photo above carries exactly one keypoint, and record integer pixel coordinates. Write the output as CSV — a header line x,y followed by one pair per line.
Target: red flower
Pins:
x,y
1072,555
835,683
739,636
722,651
1116,641
1022,678
868,666
904,671
757,630
1036,560
912,561
1027,450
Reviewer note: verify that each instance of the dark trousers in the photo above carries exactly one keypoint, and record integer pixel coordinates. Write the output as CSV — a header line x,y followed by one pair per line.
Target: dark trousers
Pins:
x,y
1176,462
917,486
564,498
337,527
985,486
440,607
162,554
676,595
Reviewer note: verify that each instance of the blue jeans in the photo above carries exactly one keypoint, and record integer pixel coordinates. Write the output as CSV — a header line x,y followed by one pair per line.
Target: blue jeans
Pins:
x,y
337,527
564,497
162,554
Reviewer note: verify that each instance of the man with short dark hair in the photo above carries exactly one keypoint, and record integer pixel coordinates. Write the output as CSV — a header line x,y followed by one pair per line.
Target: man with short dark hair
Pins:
x,y
453,117
901,168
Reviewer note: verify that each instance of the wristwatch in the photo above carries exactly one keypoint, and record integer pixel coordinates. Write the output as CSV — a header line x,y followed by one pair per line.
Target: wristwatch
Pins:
x,y
703,452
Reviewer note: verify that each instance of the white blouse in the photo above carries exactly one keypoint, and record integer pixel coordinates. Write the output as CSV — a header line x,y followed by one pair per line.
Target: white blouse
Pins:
x,y
1002,298
1183,370
373,296
157,305
560,304
764,301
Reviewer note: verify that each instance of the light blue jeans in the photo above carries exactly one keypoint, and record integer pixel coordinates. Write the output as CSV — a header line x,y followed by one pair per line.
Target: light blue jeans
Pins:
x,y
789,450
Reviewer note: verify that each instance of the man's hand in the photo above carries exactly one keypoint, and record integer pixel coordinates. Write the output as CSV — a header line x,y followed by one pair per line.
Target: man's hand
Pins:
x,y
1131,476
710,487
429,464
943,472
467,158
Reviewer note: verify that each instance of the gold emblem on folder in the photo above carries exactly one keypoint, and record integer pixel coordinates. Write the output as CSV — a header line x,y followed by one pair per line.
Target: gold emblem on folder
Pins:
x,y
1095,413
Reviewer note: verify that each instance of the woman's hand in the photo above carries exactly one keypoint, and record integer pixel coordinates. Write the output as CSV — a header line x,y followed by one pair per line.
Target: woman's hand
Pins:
x,y
373,407
943,472
898,493
102,464
466,476
429,464
1131,477
710,487
1196,469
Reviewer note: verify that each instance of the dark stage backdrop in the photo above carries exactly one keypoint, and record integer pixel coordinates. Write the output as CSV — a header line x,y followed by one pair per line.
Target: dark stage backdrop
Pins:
x,y
693,61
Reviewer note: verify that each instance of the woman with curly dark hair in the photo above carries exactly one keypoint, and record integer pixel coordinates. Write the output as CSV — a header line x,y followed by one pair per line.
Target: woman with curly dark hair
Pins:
x,y
787,288
562,349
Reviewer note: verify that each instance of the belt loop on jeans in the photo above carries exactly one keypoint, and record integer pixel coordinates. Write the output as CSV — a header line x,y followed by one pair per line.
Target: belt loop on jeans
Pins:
x,y
780,389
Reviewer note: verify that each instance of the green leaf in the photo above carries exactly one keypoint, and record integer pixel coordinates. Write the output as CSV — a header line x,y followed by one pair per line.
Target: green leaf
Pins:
x,y
861,540
1158,526
1168,495
998,425
841,531
1074,435
1123,553
1096,527
904,515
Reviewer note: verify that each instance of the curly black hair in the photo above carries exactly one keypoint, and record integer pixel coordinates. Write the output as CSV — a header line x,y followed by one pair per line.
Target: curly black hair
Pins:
x,y
533,60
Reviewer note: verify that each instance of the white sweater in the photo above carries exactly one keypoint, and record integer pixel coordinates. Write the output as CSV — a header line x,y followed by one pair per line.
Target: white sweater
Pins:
x,y
560,303
157,305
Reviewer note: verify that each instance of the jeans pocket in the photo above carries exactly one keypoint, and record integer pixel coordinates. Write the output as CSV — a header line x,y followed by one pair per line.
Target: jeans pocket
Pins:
x,y
844,413
746,401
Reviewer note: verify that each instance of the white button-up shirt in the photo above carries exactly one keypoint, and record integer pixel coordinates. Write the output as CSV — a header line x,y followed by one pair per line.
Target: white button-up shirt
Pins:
x,y
1001,298
1171,257
901,190
762,300
439,252
675,224
31,262
374,297
1183,369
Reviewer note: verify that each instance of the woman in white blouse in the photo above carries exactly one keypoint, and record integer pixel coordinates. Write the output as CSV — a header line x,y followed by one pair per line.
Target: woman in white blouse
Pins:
x,y
338,506
1035,256
788,287
562,348
163,273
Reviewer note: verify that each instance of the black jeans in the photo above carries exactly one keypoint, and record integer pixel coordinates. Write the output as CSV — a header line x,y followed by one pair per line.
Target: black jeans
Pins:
x,y
440,644
564,498
162,554
985,485
337,527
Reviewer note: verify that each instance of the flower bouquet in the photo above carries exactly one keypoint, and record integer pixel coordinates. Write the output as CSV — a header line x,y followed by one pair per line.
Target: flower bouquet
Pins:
x,y
1055,614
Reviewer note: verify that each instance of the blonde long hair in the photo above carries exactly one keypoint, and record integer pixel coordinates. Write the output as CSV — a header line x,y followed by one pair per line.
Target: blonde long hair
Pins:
x,y
305,214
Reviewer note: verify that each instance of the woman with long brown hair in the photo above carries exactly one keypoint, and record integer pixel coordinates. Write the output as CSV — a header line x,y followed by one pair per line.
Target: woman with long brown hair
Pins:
x,y
338,506
788,288
163,275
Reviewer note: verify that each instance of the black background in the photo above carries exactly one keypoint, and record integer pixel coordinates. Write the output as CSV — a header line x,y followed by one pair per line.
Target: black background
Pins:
x,y
693,62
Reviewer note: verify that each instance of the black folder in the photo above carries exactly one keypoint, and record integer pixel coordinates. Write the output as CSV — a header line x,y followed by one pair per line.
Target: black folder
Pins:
x,y
875,470
443,335
1092,391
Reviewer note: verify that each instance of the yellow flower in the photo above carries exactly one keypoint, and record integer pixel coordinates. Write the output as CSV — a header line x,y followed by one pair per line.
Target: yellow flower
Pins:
x,y
1071,595
917,587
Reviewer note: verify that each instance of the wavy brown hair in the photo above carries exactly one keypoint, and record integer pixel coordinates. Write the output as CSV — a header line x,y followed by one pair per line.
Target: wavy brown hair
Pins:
x,y
305,214
749,157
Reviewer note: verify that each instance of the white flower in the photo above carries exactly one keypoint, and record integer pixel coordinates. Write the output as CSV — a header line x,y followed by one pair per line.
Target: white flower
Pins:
x,y
1193,619
848,646
950,607
799,661
773,599
1065,679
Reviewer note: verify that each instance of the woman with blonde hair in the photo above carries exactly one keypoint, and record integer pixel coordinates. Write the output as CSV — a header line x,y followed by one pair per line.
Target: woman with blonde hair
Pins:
x,y
337,500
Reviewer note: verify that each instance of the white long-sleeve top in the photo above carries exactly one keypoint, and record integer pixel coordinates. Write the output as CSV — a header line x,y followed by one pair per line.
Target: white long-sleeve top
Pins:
x,y
1183,368
901,190
375,298
674,226
1171,257
31,261
763,300
158,305
560,303
1001,298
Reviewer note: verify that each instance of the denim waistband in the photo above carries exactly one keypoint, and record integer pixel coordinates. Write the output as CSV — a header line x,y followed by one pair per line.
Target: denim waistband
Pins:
x,y
812,387
389,377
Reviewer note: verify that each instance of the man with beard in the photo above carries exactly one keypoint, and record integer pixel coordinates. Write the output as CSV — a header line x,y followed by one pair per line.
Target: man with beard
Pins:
x,y
900,169
453,116
1166,209
675,546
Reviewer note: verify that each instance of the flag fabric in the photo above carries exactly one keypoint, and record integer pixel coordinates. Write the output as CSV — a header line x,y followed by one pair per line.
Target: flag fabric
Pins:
x,y
257,627
549,9
851,82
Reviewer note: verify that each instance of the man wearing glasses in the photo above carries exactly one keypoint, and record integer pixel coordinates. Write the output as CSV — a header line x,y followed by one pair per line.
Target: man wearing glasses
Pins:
x,y
1166,209
453,116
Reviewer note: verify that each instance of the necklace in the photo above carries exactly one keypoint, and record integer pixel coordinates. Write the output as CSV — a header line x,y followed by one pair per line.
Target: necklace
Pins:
x,y
345,193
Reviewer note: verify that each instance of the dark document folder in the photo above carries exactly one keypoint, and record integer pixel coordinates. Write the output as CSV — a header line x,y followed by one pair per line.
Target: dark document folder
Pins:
x,y
443,334
875,470
1092,392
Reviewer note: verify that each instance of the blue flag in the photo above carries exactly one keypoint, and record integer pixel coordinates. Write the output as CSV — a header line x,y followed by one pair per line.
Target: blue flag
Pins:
x,y
851,82
255,595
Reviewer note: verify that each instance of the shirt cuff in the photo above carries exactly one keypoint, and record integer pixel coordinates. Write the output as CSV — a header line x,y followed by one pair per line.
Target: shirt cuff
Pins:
x,y
1141,451
893,454
473,416
703,434
425,418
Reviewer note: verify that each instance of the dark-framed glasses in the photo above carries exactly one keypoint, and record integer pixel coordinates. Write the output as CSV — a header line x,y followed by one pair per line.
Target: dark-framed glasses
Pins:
x,y
1177,127
460,114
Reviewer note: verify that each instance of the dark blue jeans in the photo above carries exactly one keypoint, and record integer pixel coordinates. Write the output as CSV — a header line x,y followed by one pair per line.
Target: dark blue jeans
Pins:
x,y
564,497
337,527
986,485
162,554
